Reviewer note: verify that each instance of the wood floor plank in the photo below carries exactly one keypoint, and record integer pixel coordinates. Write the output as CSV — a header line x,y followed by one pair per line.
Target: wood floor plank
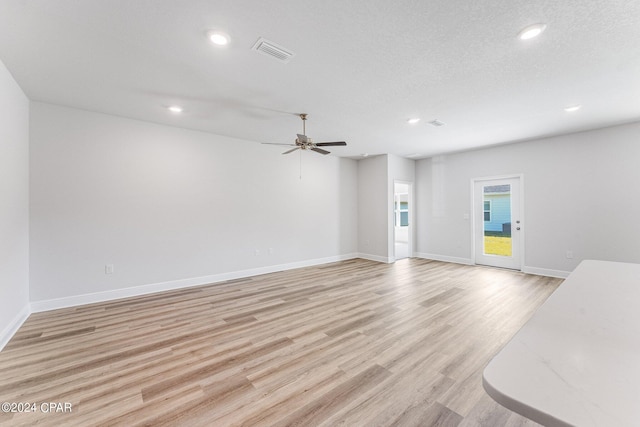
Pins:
x,y
337,398
353,343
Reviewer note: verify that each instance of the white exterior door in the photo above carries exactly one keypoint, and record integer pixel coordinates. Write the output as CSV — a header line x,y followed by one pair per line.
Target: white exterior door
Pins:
x,y
498,226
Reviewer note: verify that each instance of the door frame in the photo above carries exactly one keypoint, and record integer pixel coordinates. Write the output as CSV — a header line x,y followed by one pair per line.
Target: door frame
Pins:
x,y
411,218
522,224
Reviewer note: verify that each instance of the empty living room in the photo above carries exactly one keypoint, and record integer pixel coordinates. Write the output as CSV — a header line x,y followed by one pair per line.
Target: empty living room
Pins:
x,y
296,213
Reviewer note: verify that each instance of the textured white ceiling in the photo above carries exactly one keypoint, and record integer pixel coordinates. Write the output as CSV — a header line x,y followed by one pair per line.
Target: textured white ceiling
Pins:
x,y
361,68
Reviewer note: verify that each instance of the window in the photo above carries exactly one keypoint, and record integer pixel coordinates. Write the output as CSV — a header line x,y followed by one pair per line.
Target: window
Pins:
x,y
401,214
487,210
404,214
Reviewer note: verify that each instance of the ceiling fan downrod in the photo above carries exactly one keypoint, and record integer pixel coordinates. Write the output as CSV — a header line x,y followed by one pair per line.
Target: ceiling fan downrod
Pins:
x,y
303,116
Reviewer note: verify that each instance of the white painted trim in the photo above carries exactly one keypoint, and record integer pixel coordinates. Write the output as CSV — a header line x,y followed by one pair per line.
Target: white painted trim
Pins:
x,y
444,258
377,258
528,270
75,300
13,327
498,177
546,272
46,305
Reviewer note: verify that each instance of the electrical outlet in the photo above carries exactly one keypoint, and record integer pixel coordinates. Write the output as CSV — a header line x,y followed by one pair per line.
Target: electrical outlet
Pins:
x,y
256,252
569,254
108,269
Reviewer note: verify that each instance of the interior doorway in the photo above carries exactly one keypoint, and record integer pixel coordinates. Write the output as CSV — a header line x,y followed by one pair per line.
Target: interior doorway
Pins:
x,y
498,235
402,206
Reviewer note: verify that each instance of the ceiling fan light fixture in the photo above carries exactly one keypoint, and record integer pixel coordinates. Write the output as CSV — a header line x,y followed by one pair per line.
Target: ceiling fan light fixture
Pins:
x,y
531,31
219,38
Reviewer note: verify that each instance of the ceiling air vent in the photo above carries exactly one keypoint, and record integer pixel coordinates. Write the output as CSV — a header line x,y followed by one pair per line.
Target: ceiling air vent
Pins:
x,y
269,48
437,123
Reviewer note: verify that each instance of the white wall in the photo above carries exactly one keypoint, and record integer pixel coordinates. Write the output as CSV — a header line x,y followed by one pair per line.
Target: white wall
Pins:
x,y
580,194
14,206
165,204
373,221
376,176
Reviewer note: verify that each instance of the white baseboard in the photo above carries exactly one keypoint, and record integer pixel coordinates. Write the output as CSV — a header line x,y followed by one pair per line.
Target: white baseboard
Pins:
x,y
377,258
444,258
8,332
467,261
546,272
75,300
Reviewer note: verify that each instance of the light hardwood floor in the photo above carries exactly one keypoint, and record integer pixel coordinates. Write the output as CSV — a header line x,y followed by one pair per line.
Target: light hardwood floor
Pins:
x,y
354,343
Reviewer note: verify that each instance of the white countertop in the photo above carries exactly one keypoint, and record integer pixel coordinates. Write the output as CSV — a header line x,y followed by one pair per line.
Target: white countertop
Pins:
x,y
577,360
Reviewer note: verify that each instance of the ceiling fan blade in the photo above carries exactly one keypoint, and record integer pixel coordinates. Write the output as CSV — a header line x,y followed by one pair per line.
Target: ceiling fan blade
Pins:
x,y
291,151
328,144
277,143
302,138
320,150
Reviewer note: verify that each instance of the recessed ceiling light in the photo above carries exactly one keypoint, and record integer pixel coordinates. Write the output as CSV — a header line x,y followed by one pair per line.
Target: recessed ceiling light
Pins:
x,y
572,108
218,37
413,121
531,31
176,109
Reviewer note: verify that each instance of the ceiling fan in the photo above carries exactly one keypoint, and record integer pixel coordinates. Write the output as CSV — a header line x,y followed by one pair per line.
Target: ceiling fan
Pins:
x,y
303,142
